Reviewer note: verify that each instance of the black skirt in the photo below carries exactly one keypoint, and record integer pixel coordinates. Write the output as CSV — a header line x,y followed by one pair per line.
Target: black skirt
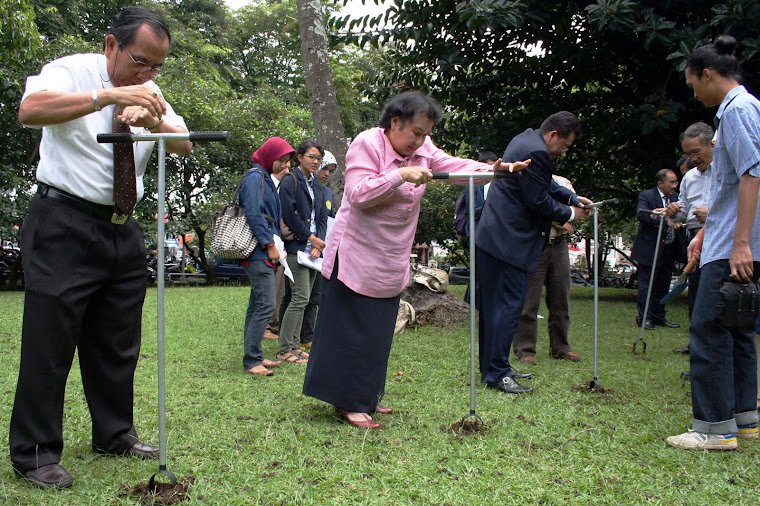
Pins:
x,y
348,361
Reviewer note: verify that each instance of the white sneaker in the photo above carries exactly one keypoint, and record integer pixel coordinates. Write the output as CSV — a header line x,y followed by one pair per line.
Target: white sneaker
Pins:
x,y
748,431
693,440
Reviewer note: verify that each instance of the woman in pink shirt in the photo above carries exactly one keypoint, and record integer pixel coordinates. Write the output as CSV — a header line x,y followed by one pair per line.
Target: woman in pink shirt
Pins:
x,y
366,262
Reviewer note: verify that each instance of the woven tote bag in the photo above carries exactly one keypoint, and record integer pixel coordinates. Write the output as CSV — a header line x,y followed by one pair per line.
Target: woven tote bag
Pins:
x,y
233,238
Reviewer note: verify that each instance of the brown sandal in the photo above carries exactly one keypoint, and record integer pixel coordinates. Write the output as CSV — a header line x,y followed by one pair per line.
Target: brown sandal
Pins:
x,y
300,353
270,364
259,370
291,358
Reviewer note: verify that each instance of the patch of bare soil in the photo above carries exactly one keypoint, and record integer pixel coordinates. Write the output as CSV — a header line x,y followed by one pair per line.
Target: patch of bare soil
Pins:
x,y
469,426
164,493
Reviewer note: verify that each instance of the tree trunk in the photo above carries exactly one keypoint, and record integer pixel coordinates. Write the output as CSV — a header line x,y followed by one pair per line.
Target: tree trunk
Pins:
x,y
321,89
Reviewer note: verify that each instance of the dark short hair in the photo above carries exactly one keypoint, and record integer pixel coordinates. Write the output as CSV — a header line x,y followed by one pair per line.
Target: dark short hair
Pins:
x,y
662,174
699,129
406,105
681,161
718,56
487,156
564,123
129,20
307,145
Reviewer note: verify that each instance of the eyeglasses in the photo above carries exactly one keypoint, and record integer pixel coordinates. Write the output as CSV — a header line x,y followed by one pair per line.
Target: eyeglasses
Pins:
x,y
142,67
694,153
314,157
565,145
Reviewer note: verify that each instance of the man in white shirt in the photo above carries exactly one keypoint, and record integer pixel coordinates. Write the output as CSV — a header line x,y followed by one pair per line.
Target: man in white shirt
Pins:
x,y
694,198
84,255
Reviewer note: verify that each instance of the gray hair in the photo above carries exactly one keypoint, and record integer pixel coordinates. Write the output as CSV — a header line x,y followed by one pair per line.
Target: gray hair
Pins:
x,y
699,129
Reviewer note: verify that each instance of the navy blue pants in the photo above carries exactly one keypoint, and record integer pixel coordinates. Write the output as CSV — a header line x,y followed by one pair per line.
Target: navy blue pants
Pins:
x,y
502,296
723,360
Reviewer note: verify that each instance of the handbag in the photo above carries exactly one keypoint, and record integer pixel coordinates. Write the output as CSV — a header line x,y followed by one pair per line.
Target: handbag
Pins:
x,y
233,238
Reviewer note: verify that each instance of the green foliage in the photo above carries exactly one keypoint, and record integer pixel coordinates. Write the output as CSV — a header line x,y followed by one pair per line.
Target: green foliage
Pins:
x,y
436,224
18,34
242,74
502,66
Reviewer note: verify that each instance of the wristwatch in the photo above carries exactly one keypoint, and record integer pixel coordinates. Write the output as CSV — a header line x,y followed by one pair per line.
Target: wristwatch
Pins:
x,y
95,102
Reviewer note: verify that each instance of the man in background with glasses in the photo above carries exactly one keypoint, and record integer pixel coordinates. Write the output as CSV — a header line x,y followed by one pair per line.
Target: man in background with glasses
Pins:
x,y
84,255
693,201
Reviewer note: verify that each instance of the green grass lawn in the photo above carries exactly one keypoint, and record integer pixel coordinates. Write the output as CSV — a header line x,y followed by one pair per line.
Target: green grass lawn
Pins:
x,y
250,440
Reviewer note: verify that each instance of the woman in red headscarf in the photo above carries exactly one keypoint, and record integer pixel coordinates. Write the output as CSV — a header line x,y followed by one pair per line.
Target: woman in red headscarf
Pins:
x,y
262,211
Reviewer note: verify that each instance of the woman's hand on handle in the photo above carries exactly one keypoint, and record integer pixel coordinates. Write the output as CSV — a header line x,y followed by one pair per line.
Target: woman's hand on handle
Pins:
x,y
416,175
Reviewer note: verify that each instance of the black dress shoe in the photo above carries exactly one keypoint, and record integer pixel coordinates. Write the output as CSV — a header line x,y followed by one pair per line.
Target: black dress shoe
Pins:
x,y
521,375
684,351
666,323
144,451
510,386
648,325
49,476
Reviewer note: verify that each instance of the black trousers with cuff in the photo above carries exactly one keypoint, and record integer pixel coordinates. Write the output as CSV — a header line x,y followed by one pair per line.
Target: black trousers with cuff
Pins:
x,y
85,286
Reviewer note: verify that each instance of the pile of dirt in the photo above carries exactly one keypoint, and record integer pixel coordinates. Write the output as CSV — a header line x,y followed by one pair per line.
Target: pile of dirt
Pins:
x,y
164,493
468,426
434,308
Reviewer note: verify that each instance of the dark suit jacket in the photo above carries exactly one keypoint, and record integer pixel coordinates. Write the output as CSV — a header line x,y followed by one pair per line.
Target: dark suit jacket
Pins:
x,y
646,236
327,198
296,210
259,197
516,219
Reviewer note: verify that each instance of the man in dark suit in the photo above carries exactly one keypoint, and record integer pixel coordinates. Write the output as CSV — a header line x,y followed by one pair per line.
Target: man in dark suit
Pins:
x,y
671,244
513,230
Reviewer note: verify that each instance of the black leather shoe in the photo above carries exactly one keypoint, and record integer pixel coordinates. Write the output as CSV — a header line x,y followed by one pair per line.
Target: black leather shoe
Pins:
x,y
666,323
144,451
648,325
49,476
510,386
521,375
684,351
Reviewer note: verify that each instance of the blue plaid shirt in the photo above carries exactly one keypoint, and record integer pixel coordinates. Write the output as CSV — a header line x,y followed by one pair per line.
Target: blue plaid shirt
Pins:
x,y
736,152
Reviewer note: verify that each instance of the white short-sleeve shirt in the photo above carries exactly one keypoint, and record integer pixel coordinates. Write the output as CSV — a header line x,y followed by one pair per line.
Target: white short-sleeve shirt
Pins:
x,y
70,157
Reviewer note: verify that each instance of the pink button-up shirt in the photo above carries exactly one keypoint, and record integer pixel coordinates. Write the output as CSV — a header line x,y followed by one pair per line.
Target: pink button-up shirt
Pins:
x,y
374,228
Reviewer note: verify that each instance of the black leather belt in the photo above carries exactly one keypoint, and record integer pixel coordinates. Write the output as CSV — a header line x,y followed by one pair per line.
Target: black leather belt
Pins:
x,y
82,205
555,240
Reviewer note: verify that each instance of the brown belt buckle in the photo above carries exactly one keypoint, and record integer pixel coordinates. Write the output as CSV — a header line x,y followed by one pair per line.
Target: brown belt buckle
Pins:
x,y
119,219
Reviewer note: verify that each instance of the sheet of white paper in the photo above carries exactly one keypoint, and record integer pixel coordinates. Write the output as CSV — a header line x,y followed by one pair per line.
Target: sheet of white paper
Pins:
x,y
311,263
281,248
